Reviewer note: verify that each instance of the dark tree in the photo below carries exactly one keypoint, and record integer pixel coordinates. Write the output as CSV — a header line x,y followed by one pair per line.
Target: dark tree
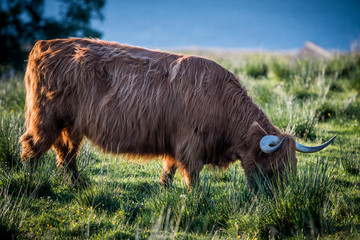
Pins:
x,y
22,23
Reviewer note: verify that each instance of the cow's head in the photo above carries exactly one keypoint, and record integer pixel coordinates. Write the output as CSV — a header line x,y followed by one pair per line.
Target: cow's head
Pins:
x,y
272,154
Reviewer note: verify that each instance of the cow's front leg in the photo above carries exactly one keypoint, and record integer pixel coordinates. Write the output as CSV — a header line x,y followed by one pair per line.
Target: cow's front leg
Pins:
x,y
170,166
191,174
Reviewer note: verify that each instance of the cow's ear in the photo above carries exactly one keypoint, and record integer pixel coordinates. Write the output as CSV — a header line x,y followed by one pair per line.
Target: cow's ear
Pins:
x,y
255,133
253,138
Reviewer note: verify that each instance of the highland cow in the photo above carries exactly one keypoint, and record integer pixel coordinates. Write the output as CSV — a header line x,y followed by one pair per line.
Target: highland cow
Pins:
x,y
127,99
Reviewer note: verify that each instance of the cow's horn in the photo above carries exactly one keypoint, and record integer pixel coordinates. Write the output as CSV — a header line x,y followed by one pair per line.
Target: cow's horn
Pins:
x,y
305,149
271,143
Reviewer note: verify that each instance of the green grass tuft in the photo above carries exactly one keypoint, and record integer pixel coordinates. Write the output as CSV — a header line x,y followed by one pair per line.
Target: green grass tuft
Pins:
x,y
259,70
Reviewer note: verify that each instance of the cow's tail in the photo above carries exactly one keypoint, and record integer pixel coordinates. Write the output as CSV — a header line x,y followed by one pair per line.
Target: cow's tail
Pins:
x,y
37,139
32,79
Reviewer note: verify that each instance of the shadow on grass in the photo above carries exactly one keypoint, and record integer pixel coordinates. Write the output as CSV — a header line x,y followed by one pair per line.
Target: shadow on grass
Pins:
x,y
344,183
351,229
127,196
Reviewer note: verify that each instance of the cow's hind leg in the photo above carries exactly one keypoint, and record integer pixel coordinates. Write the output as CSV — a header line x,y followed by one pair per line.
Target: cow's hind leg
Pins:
x,y
170,166
66,148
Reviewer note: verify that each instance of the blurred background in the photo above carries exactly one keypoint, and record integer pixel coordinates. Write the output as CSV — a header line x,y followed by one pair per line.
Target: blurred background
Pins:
x,y
232,25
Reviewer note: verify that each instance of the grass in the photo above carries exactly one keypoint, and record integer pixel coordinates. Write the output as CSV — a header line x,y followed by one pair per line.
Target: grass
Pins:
x,y
123,200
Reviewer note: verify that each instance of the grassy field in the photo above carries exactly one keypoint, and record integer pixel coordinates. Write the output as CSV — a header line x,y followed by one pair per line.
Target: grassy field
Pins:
x,y
313,100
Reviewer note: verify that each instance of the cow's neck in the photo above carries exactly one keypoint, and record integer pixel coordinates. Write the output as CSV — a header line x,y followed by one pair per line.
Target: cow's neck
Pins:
x,y
242,113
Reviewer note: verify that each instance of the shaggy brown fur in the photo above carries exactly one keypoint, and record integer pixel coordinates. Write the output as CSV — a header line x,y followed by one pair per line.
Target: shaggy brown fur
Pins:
x,y
132,100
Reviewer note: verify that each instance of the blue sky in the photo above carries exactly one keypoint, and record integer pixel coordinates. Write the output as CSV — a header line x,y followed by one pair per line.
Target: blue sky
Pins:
x,y
249,24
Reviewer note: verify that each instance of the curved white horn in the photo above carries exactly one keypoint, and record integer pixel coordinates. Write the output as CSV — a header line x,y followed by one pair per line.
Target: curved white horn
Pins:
x,y
306,149
271,143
